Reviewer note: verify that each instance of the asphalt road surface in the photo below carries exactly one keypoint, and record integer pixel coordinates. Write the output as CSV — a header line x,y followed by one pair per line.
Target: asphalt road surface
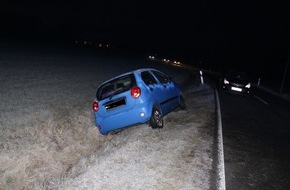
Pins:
x,y
256,136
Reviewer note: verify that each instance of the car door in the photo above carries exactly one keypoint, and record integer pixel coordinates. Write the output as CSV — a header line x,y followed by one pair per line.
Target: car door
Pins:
x,y
171,96
157,91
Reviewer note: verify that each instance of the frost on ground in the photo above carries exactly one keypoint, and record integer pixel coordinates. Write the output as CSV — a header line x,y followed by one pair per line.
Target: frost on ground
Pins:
x,y
179,156
48,139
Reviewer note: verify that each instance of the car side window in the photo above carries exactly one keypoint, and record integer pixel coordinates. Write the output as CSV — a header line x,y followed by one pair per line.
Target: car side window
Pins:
x,y
161,77
148,78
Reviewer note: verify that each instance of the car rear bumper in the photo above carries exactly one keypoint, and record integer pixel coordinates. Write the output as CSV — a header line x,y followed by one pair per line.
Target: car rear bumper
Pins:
x,y
123,119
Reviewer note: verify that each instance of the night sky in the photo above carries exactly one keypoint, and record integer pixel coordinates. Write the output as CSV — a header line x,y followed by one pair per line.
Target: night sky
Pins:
x,y
218,33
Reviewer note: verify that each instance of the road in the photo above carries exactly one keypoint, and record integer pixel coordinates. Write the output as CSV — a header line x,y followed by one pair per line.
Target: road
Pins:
x,y
256,133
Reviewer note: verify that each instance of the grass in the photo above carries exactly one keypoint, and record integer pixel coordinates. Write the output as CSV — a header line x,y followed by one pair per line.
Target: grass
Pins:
x,y
47,133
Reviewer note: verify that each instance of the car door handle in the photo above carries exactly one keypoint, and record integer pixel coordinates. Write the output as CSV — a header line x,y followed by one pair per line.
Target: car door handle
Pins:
x,y
151,89
165,86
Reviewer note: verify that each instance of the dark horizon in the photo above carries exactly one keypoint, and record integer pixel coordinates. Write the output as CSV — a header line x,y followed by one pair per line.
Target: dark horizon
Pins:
x,y
254,36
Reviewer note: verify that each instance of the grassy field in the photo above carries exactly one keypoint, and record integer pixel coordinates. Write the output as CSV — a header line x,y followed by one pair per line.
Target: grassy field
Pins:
x,y
47,132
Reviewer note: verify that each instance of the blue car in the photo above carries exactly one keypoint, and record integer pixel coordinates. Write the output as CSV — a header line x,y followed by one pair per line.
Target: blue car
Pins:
x,y
137,97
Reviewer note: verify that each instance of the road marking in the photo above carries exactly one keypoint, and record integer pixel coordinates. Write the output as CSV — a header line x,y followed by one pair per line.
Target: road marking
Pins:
x,y
261,100
221,184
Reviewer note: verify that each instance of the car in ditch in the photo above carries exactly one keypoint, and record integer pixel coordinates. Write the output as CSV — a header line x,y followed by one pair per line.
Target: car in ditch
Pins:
x,y
235,81
140,96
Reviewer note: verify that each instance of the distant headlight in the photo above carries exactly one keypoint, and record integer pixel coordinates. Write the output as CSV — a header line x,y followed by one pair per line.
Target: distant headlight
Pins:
x,y
248,85
226,81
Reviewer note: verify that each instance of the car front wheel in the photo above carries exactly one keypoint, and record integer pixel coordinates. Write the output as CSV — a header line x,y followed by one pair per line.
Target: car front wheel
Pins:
x,y
156,120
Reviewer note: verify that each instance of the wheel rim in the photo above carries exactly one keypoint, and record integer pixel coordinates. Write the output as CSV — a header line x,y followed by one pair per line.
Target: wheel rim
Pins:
x,y
158,118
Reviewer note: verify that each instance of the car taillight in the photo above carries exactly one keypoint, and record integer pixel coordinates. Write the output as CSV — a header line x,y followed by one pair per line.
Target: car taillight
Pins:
x,y
95,106
135,92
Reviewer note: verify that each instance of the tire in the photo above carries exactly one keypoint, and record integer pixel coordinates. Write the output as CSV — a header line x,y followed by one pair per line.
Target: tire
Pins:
x,y
182,104
156,120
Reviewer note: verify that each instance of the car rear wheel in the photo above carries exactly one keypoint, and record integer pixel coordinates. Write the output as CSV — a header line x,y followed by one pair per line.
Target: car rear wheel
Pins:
x,y
156,120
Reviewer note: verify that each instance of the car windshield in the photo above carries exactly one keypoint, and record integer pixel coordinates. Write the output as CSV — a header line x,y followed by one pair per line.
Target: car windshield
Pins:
x,y
236,74
115,86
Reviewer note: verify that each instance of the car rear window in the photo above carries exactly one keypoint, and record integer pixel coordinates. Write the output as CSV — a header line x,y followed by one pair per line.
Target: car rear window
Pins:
x,y
115,86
